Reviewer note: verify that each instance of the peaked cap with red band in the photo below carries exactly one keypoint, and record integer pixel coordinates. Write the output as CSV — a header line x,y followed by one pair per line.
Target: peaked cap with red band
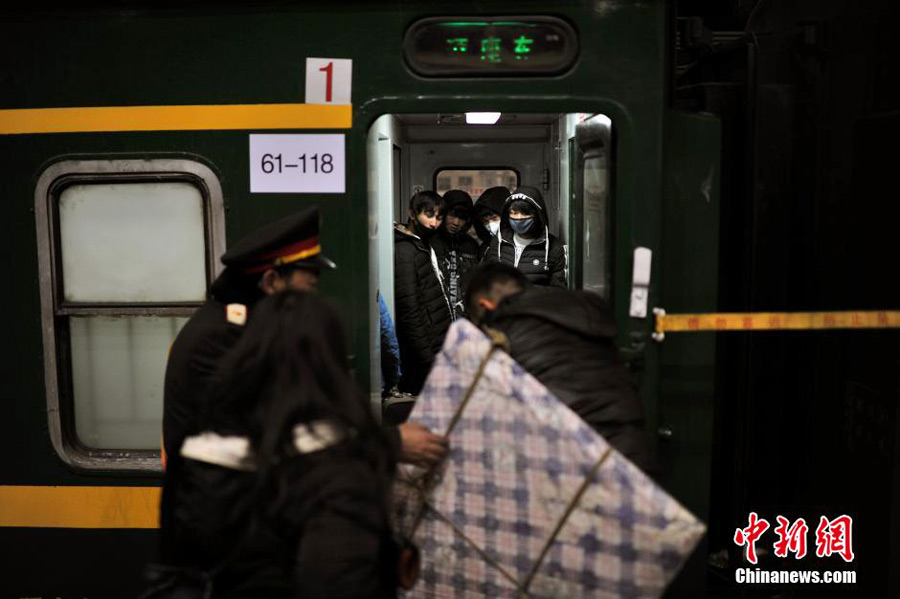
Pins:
x,y
292,241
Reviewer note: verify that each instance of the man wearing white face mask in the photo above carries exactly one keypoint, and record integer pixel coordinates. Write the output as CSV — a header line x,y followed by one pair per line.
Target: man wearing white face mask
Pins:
x,y
525,242
487,216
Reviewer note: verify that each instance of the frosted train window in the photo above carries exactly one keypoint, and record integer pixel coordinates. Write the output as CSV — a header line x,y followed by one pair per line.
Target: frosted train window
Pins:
x,y
474,181
596,215
118,367
127,249
132,242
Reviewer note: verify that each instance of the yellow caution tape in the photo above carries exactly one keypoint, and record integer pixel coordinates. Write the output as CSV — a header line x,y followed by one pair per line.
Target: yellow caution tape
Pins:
x,y
773,321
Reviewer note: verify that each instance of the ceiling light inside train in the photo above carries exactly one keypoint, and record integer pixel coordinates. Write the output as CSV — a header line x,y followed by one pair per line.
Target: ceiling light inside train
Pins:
x,y
482,118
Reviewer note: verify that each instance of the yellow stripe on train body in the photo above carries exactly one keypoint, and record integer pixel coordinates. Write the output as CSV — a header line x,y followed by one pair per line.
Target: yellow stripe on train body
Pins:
x,y
99,119
79,507
773,321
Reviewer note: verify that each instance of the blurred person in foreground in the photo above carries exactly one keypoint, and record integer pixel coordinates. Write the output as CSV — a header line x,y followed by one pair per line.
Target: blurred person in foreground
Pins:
x,y
285,490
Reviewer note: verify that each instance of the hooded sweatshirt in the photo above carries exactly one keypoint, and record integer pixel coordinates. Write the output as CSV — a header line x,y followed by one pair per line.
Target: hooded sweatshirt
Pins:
x,y
491,202
543,259
456,254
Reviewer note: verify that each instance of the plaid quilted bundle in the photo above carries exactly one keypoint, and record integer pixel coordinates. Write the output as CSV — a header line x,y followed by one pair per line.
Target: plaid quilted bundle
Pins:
x,y
530,502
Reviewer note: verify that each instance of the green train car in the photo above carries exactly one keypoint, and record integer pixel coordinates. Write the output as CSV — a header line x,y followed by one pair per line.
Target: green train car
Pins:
x,y
137,143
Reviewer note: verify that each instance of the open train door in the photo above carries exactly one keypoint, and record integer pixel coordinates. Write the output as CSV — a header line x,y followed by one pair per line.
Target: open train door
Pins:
x,y
639,258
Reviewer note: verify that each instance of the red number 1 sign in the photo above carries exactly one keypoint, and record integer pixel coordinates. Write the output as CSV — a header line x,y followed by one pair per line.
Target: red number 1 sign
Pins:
x,y
328,80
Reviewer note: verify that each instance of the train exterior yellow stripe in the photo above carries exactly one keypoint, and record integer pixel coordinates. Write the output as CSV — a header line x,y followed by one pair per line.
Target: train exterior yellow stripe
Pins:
x,y
79,507
175,118
775,321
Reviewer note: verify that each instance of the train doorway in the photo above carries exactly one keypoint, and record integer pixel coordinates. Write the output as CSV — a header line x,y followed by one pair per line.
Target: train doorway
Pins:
x,y
568,156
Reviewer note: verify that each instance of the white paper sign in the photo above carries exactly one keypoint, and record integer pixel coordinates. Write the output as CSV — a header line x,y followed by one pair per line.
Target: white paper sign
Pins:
x,y
297,163
328,80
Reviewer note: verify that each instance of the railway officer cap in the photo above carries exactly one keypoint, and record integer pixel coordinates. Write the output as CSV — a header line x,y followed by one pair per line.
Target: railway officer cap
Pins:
x,y
291,242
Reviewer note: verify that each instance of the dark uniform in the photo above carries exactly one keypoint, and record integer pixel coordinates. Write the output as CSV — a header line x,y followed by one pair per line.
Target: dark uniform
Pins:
x,y
292,242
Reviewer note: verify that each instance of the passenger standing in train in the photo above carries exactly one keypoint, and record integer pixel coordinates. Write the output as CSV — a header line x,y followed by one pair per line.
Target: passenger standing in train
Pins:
x,y
285,490
566,340
422,306
285,254
525,241
487,216
456,251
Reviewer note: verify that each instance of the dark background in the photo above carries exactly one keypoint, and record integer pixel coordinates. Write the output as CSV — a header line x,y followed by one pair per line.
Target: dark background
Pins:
x,y
805,423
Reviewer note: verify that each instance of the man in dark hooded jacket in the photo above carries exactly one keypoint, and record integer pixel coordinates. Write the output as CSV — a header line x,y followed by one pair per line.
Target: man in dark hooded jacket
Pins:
x,y
487,216
422,307
525,241
456,251
565,340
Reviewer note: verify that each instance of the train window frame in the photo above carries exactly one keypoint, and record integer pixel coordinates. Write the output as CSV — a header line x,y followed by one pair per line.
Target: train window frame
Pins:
x,y
441,169
56,312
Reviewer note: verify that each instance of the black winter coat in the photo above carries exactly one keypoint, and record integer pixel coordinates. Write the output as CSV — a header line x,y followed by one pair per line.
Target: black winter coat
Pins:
x,y
543,262
319,532
565,339
423,312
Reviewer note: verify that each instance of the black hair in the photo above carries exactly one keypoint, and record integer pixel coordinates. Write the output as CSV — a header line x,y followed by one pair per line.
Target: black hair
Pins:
x,y
523,207
423,200
482,280
290,366
460,211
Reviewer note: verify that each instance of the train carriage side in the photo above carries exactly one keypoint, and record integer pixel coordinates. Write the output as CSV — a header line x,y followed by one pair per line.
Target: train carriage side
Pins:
x,y
118,207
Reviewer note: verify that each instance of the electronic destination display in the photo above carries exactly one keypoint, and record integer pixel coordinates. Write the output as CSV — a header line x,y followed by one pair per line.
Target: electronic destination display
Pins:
x,y
479,46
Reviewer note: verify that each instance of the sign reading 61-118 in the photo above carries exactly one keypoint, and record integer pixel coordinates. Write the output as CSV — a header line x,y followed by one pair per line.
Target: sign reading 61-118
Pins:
x,y
297,163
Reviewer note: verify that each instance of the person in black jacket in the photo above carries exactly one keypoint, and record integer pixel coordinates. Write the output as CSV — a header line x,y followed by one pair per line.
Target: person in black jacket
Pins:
x,y
285,254
525,241
285,491
456,251
487,216
423,311
565,339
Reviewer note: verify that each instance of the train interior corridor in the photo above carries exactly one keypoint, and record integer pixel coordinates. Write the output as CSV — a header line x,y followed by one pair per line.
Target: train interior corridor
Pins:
x,y
566,155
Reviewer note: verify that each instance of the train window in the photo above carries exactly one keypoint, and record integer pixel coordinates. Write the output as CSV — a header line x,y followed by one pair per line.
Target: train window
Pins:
x,y
118,365
126,253
592,209
596,245
132,242
474,181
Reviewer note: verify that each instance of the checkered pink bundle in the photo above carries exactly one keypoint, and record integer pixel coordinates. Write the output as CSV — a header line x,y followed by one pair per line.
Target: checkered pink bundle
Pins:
x,y
531,502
